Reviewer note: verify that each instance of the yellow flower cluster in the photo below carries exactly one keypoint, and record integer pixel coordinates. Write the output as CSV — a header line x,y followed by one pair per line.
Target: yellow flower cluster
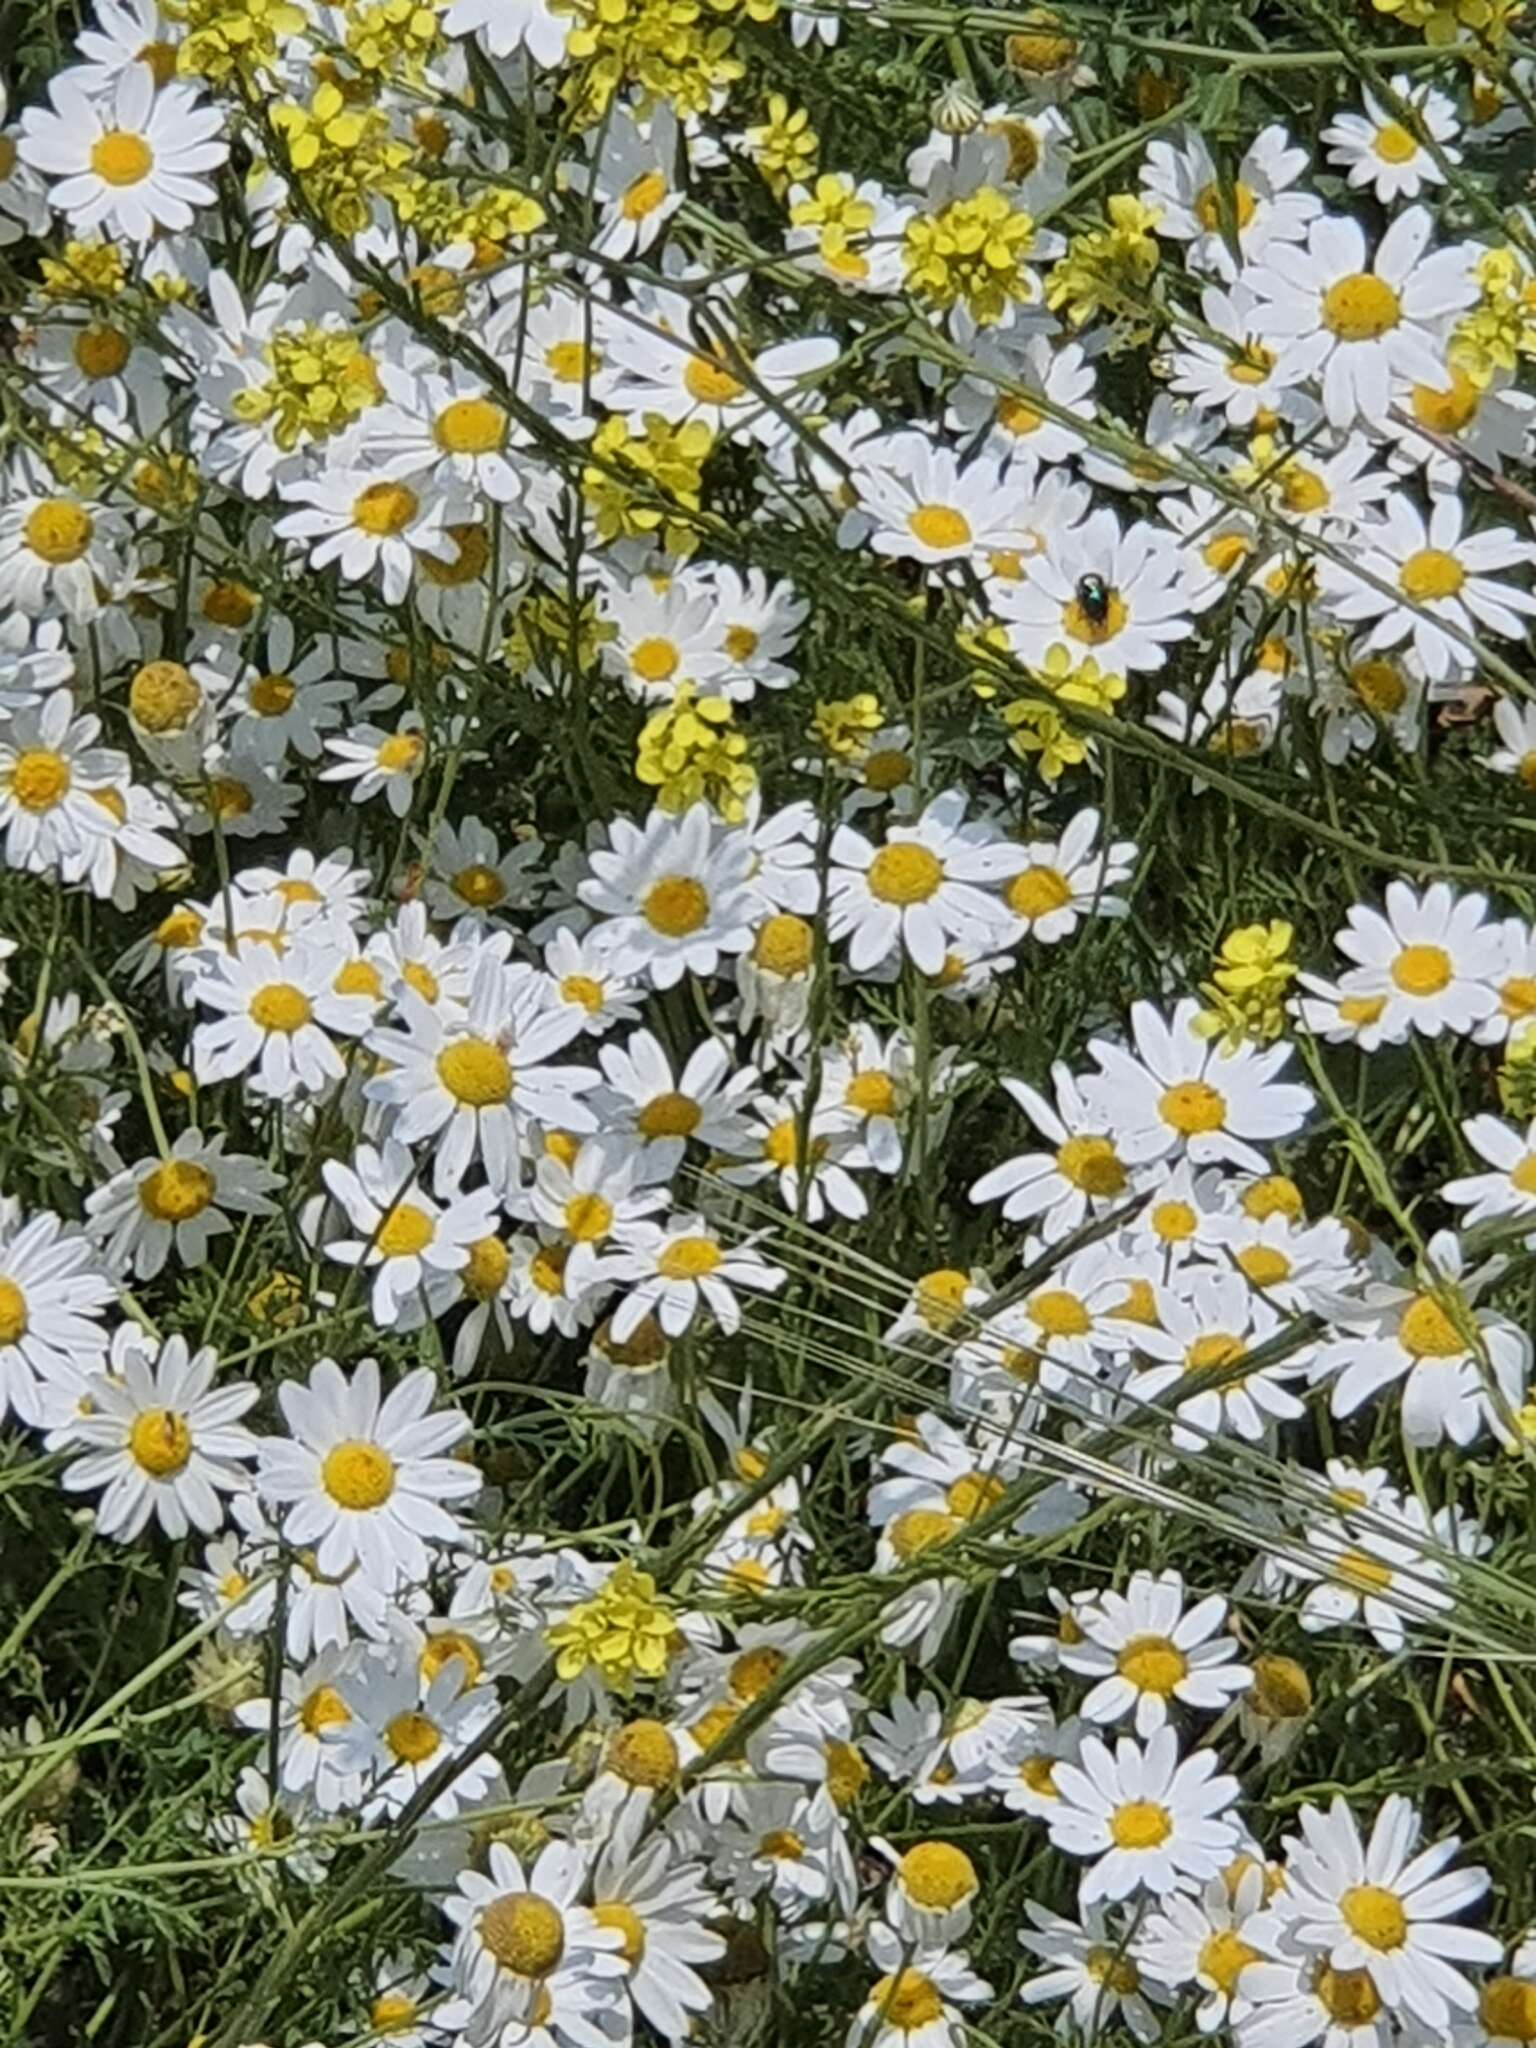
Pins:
x,y
973,252
321,381
344,155
229,38
1045,731
690,753
1442,21
842,725
1106,271
1501,327
784,145
668,49
85,270
392,37
625,1631
840,218
633,472
1249,984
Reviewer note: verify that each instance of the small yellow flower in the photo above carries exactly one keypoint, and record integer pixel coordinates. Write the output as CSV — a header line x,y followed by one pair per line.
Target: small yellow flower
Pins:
x,y
688,754
973,252
624,1632
1252,975
1107,270
783,146
841,724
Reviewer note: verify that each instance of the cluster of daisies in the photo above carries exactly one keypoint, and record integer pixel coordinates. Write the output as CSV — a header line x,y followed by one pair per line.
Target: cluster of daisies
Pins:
x,y
562,663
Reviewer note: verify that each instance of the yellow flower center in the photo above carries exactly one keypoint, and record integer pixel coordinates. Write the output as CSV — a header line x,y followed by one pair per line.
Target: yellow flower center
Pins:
x,y
405,1231
1517,996
644,1754
1140,1824
919,1530
1173,1222
475,1072
1214,1350
478,886
847,1773
412,1738
101,351
1507,2008
1422,970
1361,308
1114,1968
907,2001
280,1007
40,779
1393,144
59,531
469,426
643,195
1262,1266
872,1093
568,361
972,1494
1059,1313
119,158
754,1671
163,697
358,978
784,945
228,798
160,1442
439,1651
525,1933
1216,205
886,769
905,873
937,1876
1036,892
422,979
1275,1195
486,1273
323,1708
1361,1573
1016,416
230,605
1375,1915
939,526
1223,1958
783,1845
655,660
709,382
1193,1108
1349,1997
1523,1175
1091,1164
383,509
1429,574
669,1116
588,1218
392,2013
689,1258
1446,412
613,1913
1153,1664
358,1475
270,696
1425,1330
1089,631
177,1190
13,1313
676,906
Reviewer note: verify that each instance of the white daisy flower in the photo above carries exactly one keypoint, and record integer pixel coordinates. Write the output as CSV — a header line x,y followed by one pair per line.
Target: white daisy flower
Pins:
x,y
1509,1188
1081,1173
1144,1650
925,507
1381,1906
1146,1820
928,884
1122,594
1359,323
52,1290
1440,592
132,162
179,1201
53,779
523,1945
673,1270
364,1481
473,1079
1432,959
1256,211
367,524
1091,1965
469,876
163,1442
277,1010
915,2004
403,1725
674,897
1200,1941
1183,1095
376,761
1209,1330
1387,157
1065,881
414,1249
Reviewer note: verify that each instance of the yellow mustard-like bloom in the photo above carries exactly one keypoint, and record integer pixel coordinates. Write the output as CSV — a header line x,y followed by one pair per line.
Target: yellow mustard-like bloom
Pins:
x,y
841,725
322,380
666,463
688,753
973,252
1249,984
625,1632
784,145
1106,271
228,38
